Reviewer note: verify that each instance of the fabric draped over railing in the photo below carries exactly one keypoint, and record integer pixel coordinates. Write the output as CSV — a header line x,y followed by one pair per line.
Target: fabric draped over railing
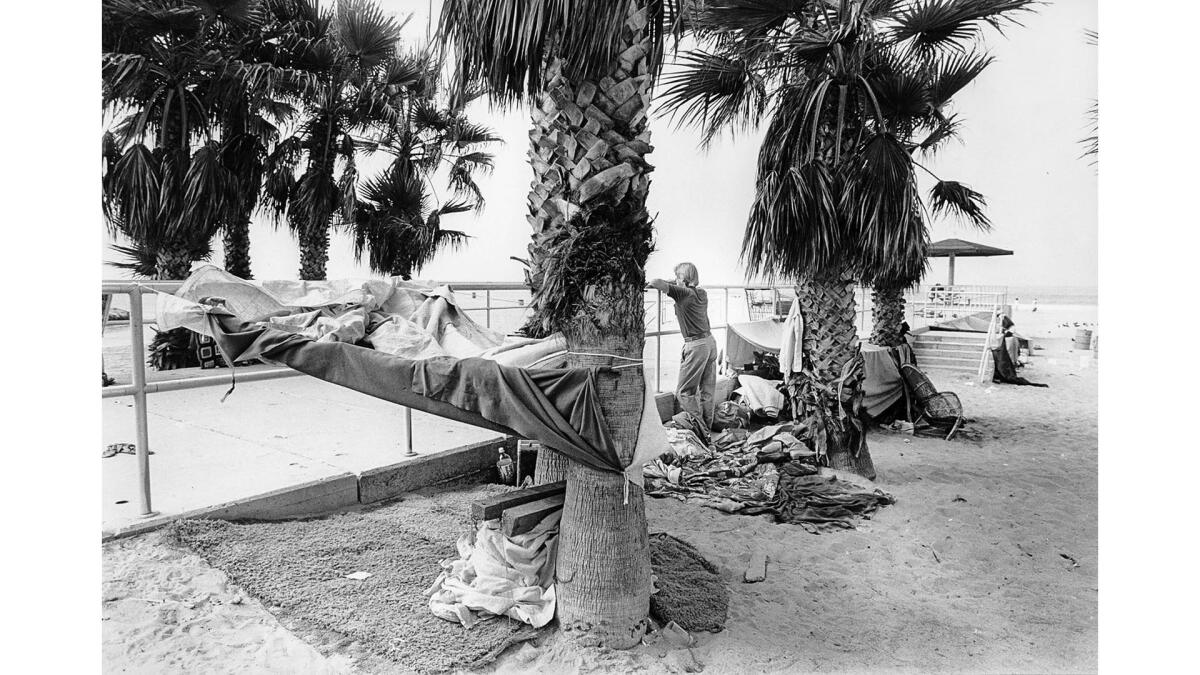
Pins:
x,y
558,407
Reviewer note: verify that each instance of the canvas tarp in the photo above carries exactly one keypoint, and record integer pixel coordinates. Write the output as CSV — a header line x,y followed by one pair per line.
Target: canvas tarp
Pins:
x,y
882,387
452,367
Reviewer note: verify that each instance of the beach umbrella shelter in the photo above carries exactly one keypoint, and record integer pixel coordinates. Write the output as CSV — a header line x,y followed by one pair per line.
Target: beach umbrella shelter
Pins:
x,y
957,248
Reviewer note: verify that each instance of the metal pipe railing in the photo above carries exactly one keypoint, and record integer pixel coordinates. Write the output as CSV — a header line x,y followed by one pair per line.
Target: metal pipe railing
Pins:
x,y
139,404
140,387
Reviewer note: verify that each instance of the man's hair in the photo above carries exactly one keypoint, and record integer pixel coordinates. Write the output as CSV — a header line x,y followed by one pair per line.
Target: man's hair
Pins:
x,y
687,272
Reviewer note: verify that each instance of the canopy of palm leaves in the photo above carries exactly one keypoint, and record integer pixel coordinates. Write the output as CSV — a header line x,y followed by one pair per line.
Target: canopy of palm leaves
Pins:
x,y
855,90
396,223
507,43
360,86
194,88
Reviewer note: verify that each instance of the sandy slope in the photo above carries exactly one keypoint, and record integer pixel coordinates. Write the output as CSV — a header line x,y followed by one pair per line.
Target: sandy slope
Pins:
x,y
964,574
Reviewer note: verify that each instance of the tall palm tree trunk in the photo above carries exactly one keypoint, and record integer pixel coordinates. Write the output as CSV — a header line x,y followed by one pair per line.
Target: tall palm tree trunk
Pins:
x,y
830,405
173,254
236,240
314,253
314,214
591,238
887,313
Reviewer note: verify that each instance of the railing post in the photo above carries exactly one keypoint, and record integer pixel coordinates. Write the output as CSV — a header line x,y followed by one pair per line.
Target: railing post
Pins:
x,y
658,307
139,401
408,441
487,304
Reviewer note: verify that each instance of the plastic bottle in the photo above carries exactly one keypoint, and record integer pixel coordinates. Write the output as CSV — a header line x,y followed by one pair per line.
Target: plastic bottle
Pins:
x,y
505,467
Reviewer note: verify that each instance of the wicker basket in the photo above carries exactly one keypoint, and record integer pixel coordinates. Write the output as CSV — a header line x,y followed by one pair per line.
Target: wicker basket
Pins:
x,y
943,409
920,386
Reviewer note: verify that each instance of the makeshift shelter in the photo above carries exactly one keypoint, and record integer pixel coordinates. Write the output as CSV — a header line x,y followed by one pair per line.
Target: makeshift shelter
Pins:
x,y
411,345
882,387
957,248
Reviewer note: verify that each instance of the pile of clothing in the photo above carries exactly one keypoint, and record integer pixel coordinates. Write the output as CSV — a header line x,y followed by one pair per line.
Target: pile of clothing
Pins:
x,y
768,470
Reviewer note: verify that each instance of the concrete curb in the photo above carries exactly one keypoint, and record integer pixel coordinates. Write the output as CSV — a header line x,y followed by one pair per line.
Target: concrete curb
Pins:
x,y
344,491
390,481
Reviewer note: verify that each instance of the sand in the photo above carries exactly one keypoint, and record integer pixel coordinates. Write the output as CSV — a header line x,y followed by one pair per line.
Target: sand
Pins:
x,y
986,563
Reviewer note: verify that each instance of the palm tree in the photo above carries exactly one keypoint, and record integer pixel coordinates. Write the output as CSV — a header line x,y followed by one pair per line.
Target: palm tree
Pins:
x,y
914,95
353,51
173,70
587,68
396,223
163,194
836,200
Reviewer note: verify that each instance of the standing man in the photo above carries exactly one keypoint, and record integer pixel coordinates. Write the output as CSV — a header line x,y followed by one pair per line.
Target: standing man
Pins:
x,y
698,371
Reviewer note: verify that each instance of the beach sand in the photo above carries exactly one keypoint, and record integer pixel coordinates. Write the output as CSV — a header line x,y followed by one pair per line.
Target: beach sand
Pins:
x,y
986,563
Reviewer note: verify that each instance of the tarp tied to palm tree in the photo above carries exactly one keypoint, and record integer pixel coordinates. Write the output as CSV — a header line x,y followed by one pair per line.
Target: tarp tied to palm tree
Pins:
x,y
587,68
854,91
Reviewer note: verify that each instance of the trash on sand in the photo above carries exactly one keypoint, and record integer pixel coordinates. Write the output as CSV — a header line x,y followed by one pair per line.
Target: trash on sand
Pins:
x,y
756,570
676,635
359,576
959,498
1074,563
901,426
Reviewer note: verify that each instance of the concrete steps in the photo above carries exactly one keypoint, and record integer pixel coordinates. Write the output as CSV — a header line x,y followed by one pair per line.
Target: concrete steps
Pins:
x,y
952,351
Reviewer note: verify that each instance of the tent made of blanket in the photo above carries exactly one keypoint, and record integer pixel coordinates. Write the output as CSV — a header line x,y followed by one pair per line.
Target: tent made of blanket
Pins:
x,y
410,344
882,387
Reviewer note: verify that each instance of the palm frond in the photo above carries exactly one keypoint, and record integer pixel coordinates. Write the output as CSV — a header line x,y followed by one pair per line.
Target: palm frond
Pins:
x,y
713,91
944,129
1091,144
903,93
878,203
952,197
133,192
208,199
139,259
366,32
948,24
794,227
748,17
504,43
955,71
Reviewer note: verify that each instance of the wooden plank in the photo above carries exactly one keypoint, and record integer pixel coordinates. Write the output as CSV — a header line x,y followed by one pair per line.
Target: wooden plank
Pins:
x,y
523,518
492,507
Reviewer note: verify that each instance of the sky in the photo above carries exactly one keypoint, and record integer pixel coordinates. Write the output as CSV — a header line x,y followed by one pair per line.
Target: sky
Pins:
x,y
1020,148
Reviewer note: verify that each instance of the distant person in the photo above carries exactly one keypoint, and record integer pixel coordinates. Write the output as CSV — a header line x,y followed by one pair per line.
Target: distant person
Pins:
x,y
698,370
1034,305
1016,305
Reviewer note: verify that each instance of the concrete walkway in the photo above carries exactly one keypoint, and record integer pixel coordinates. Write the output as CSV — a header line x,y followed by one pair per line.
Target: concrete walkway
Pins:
x,y
266,436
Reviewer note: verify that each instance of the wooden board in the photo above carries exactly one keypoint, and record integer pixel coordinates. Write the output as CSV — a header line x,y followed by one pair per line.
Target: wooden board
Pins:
x,y
486,509
521,519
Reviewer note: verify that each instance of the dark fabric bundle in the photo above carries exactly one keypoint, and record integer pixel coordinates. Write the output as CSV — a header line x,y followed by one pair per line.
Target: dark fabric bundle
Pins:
x,y
803,497
737,475
1006,371
557,407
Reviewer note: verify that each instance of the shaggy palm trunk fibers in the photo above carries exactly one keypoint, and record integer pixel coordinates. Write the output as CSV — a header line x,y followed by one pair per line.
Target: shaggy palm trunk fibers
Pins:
x,y
831,347
887,314
236,240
